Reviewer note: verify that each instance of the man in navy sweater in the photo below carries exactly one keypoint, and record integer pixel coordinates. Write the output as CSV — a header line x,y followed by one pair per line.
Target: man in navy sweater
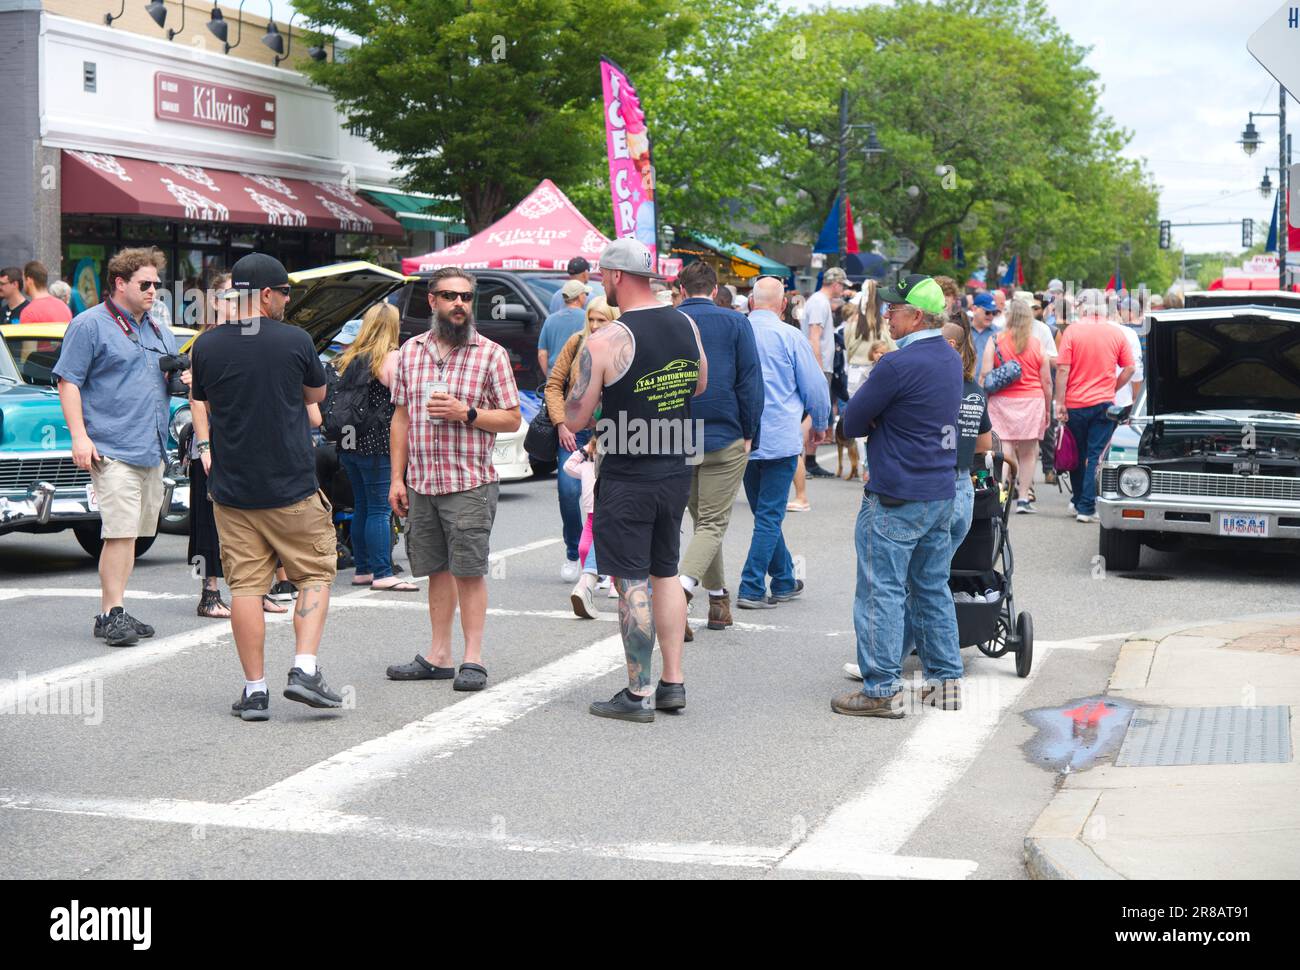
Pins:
x,y
908,409
729,409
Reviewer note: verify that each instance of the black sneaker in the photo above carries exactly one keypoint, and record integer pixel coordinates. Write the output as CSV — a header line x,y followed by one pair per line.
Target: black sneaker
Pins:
x,y
252,707
116,629
311,690
142,630
283,592
817,471
787,597
625,707
670,697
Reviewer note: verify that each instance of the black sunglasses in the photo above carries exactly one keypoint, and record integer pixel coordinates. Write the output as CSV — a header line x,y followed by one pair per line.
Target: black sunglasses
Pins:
x,y
147,285
452,295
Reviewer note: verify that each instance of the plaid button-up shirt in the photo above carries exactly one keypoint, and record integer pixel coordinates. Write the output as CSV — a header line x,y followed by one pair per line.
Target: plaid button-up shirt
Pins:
x,y
450,456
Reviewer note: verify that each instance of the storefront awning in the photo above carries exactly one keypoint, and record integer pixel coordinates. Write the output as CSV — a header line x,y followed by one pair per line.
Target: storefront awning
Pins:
x,y
96,184
412,212
765,266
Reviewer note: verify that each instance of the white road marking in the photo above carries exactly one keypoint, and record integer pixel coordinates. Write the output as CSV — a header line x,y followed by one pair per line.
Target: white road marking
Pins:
x,y
76,593
328,822
520,550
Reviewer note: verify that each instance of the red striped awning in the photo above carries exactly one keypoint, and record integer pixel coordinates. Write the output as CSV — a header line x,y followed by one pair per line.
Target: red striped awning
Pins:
x,y
97,184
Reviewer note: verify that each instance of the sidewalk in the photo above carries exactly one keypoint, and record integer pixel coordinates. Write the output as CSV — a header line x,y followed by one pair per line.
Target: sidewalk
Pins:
x,y
1235,817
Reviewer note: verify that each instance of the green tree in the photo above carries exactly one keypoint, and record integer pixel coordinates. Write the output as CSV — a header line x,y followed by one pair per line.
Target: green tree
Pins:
x,y
478,101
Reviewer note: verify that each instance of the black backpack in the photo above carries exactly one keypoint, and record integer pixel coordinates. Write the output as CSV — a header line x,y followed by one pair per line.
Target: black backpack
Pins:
x,y
346,414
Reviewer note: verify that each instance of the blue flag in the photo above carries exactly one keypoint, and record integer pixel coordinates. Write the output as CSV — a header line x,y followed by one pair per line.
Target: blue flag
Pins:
x,y
1271,245
829,239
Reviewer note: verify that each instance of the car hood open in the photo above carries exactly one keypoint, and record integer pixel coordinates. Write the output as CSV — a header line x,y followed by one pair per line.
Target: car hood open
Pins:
x,y
1223,358
325,299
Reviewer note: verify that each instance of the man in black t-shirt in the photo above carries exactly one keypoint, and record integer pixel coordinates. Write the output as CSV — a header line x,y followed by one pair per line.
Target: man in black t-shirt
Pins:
x,y
642,371
256,375
11,292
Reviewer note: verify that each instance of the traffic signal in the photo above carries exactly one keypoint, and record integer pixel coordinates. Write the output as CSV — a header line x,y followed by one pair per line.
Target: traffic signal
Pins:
x,y
1247,233
1166,234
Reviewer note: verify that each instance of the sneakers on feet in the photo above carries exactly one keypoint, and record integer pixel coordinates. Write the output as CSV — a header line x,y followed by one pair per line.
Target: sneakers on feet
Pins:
x,y
584,601
283,592
817,471
252,707
744,603
853,671
670,697
1023,507
311,689
626,706
787,597
570,571
1080,517
116,630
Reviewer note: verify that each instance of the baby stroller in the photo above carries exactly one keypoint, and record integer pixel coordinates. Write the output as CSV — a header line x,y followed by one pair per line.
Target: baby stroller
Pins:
x,y
985,603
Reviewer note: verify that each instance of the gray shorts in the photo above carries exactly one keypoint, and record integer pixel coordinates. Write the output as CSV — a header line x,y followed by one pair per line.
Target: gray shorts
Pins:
x,y
450,533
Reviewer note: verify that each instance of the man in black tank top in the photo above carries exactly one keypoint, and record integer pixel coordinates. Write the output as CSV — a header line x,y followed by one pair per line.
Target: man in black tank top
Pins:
x,y
642,372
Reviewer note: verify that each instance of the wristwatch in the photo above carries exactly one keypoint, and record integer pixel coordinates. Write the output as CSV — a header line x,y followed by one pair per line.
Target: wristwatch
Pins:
x,y
472,416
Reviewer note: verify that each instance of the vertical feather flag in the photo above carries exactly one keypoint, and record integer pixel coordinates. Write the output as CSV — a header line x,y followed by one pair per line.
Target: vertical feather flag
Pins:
x,y
1271,245
1013,274
850,236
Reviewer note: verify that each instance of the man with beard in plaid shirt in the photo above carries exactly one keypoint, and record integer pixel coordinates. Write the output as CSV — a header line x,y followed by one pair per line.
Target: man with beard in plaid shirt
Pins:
x,y
454,393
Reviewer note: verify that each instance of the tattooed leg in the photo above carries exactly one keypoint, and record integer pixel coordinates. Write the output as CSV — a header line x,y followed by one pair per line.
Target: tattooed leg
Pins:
x,y
309,617
637,623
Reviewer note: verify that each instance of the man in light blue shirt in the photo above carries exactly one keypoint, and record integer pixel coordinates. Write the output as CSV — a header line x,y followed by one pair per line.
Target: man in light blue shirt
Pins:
x,y
561,325
793,383
579,269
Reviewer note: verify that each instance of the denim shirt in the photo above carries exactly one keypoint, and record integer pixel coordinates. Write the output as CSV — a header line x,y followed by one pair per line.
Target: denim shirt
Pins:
x,y
124,396
793,382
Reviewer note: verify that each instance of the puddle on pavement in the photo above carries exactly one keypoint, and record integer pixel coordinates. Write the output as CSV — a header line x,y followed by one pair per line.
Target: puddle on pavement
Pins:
x,y
1077,735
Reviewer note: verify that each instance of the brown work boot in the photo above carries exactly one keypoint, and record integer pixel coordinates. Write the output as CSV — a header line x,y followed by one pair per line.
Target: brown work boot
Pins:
x,y
720,612
945,696
858,704
689,636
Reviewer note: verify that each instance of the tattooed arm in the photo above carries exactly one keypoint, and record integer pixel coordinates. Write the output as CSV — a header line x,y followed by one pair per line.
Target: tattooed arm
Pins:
x,y
587,376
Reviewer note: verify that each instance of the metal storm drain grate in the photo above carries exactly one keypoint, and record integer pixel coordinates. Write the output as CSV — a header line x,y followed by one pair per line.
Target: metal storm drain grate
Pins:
x,y
1206,736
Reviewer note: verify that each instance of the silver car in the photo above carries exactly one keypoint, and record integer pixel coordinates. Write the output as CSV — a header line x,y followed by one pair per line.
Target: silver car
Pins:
x,y
1211,453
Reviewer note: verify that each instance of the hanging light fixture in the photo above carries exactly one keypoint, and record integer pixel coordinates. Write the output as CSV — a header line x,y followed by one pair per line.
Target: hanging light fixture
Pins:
x,y
1250,140
274,40
110,17
158,11
1265,186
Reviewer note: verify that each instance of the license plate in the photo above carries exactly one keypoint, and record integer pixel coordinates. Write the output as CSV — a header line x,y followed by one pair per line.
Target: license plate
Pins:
x,y
500,452
92,501
1243,525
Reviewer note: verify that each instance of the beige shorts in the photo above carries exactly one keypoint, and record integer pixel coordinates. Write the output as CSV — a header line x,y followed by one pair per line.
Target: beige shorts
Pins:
x,y
301,536
129,497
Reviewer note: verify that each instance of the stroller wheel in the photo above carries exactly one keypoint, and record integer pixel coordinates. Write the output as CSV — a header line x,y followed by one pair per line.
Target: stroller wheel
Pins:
x,y
1001,641
1025,651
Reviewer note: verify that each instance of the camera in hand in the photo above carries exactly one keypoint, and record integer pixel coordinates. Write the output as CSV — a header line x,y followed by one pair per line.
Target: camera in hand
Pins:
x,y
172,365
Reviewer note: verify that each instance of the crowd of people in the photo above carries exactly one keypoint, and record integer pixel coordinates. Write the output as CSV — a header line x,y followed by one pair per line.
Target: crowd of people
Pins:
x,y
665,401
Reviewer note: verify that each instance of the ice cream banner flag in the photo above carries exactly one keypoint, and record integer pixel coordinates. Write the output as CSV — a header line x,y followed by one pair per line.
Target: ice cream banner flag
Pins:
x,y
631,170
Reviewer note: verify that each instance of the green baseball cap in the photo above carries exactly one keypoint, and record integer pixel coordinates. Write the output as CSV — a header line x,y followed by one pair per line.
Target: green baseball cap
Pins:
x,y
917,290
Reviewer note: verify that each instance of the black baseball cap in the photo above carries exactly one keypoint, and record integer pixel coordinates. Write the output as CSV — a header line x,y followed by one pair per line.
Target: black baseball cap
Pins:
x,y
578,265
254,273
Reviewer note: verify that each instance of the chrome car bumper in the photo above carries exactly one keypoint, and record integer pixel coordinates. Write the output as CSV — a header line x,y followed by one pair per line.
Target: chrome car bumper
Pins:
x,y
511,462
43,505
1201,517
34,508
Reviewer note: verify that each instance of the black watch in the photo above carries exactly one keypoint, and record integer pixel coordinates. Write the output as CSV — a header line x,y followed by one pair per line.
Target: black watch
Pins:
x,y
472,416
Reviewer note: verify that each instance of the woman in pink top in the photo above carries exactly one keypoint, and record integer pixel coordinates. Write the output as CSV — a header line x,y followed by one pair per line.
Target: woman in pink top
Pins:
x,y
1019,413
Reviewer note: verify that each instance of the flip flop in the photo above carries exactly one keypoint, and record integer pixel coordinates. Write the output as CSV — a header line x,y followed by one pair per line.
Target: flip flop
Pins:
x,y
401,586
271,606
365,582
471,677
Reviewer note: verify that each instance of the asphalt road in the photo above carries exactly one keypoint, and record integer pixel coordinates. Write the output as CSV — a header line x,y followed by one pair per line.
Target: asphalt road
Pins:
x,y
131,766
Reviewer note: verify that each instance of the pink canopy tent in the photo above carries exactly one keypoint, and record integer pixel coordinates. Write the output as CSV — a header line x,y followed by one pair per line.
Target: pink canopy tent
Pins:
x,y
543,232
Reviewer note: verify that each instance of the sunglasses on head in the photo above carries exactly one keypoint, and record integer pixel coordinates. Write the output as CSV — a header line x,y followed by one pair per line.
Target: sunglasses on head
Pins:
x,y
452,295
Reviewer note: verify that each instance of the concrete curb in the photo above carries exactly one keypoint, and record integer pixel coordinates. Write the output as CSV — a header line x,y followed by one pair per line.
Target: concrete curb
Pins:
x,y
1054,847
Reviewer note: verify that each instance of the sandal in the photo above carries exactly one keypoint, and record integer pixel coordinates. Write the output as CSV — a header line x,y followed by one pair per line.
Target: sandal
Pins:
x,y
271,606
358,581
420,669
399,586
471,677
210,603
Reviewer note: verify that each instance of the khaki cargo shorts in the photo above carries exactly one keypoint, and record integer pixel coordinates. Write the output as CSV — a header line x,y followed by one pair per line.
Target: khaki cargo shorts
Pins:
x,y
129,497
301,536
451,533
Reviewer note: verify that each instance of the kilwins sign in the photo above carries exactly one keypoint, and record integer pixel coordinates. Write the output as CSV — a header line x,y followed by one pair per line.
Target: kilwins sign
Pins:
x,y
213,105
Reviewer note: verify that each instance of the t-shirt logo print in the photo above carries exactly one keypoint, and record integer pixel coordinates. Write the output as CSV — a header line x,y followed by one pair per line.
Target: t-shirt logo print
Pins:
x,y
669,387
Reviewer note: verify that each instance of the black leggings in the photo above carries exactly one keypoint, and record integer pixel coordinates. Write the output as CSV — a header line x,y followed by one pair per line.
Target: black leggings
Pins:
x,y
205,544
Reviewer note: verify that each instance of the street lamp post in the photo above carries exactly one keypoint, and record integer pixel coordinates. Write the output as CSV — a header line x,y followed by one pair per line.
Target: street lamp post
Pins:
x,y
872,149
1250,142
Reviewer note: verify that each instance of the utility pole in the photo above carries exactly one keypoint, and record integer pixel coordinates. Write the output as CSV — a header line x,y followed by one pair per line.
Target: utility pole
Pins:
x,y
843,173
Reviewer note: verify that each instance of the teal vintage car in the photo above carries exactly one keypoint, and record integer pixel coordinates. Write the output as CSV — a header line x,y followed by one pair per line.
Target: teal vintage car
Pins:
x,y
41,490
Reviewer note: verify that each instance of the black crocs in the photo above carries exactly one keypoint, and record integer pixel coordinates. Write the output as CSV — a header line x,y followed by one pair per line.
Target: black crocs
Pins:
x,y
471,677
420,669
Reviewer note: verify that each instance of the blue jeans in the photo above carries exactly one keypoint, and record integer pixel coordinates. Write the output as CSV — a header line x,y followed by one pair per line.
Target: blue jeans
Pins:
x,y
902,551
1092,431
372,548
570,492
942,661
767,487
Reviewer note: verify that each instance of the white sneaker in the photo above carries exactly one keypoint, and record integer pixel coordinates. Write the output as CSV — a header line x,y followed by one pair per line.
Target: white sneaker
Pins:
x,y
1073,510
1080,517
570,571
583,600
852,672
